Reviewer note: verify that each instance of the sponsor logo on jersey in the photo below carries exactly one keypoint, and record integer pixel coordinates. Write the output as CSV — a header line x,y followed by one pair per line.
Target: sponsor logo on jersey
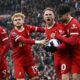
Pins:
x,y
74,26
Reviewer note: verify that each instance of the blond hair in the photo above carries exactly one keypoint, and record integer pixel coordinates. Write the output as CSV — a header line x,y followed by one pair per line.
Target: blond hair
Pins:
x,y
18,14
48,8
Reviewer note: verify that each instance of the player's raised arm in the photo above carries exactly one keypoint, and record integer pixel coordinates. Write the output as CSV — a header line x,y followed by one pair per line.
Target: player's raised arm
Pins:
x,y
36,28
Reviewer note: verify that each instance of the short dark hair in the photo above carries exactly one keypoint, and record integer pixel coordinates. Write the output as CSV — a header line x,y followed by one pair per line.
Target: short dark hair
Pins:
x,y
63,9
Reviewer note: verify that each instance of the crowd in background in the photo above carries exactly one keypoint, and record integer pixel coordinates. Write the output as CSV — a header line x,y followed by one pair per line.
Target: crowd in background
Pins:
x,y
33,9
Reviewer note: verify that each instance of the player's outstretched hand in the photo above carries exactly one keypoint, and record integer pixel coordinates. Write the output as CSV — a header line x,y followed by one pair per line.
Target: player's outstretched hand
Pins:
x,y
43,41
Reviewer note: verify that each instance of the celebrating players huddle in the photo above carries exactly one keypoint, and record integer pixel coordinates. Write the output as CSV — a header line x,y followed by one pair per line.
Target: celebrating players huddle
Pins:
x,y
62,39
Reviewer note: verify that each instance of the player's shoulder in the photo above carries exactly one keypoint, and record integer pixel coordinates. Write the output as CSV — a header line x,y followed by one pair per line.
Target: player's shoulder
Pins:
x,y
74,20
12,31
26,26
56,23
60,25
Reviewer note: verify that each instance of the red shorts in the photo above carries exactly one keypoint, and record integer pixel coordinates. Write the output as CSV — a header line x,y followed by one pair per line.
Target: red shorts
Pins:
x,y
4,72
20,69
62,64
75,68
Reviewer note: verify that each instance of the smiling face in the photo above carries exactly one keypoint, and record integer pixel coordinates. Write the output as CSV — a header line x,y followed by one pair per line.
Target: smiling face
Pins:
x,y
48,16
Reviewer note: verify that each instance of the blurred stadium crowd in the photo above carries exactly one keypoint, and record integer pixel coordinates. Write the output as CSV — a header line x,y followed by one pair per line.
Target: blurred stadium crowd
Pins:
x,y
33,9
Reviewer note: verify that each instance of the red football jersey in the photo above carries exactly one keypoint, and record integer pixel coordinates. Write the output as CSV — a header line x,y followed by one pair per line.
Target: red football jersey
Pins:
x,y
61,55
72,31
73,37
22,51
50,32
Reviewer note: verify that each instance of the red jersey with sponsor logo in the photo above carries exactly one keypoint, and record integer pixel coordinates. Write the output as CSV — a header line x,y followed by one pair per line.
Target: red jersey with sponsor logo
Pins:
x,y
73,29
50,32
22,51
73,38
61,56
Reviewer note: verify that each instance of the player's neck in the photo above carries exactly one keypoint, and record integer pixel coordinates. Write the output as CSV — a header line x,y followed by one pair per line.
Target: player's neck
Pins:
x,y
19,28
50,25
69,19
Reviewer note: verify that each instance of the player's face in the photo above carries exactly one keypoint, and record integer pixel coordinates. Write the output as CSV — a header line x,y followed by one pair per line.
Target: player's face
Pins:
x,y
18,21
64,18
48,16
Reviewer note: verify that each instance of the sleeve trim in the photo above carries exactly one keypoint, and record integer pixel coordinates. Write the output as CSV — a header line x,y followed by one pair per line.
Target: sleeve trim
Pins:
x,y
17,38
5,39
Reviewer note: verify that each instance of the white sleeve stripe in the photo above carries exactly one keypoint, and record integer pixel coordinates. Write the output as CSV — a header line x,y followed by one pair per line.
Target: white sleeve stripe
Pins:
x,y
36,29
17,38
64,35
73,33
5,39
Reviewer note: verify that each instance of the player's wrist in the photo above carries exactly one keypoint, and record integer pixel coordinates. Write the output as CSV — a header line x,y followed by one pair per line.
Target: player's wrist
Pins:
x,y
37,42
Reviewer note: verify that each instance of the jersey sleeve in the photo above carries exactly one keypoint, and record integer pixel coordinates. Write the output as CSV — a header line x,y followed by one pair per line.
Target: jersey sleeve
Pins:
x,y
18,38
74,29
36,29
5,41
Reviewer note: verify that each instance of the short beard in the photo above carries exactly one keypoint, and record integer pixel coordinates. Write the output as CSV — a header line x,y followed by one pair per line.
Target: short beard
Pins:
x,y
18,27
50,23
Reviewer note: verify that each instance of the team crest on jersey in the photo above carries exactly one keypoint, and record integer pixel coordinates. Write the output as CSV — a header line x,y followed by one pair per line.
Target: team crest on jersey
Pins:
x,y
74,26
60,31
52,35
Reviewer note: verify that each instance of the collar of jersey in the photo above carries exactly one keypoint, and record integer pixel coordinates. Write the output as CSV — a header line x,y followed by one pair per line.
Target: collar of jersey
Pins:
x,y
52,25
20,30
69,20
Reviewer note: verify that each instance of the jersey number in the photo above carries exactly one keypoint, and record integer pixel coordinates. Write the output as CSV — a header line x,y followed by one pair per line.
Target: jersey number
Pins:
x,y
34,68
63,67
